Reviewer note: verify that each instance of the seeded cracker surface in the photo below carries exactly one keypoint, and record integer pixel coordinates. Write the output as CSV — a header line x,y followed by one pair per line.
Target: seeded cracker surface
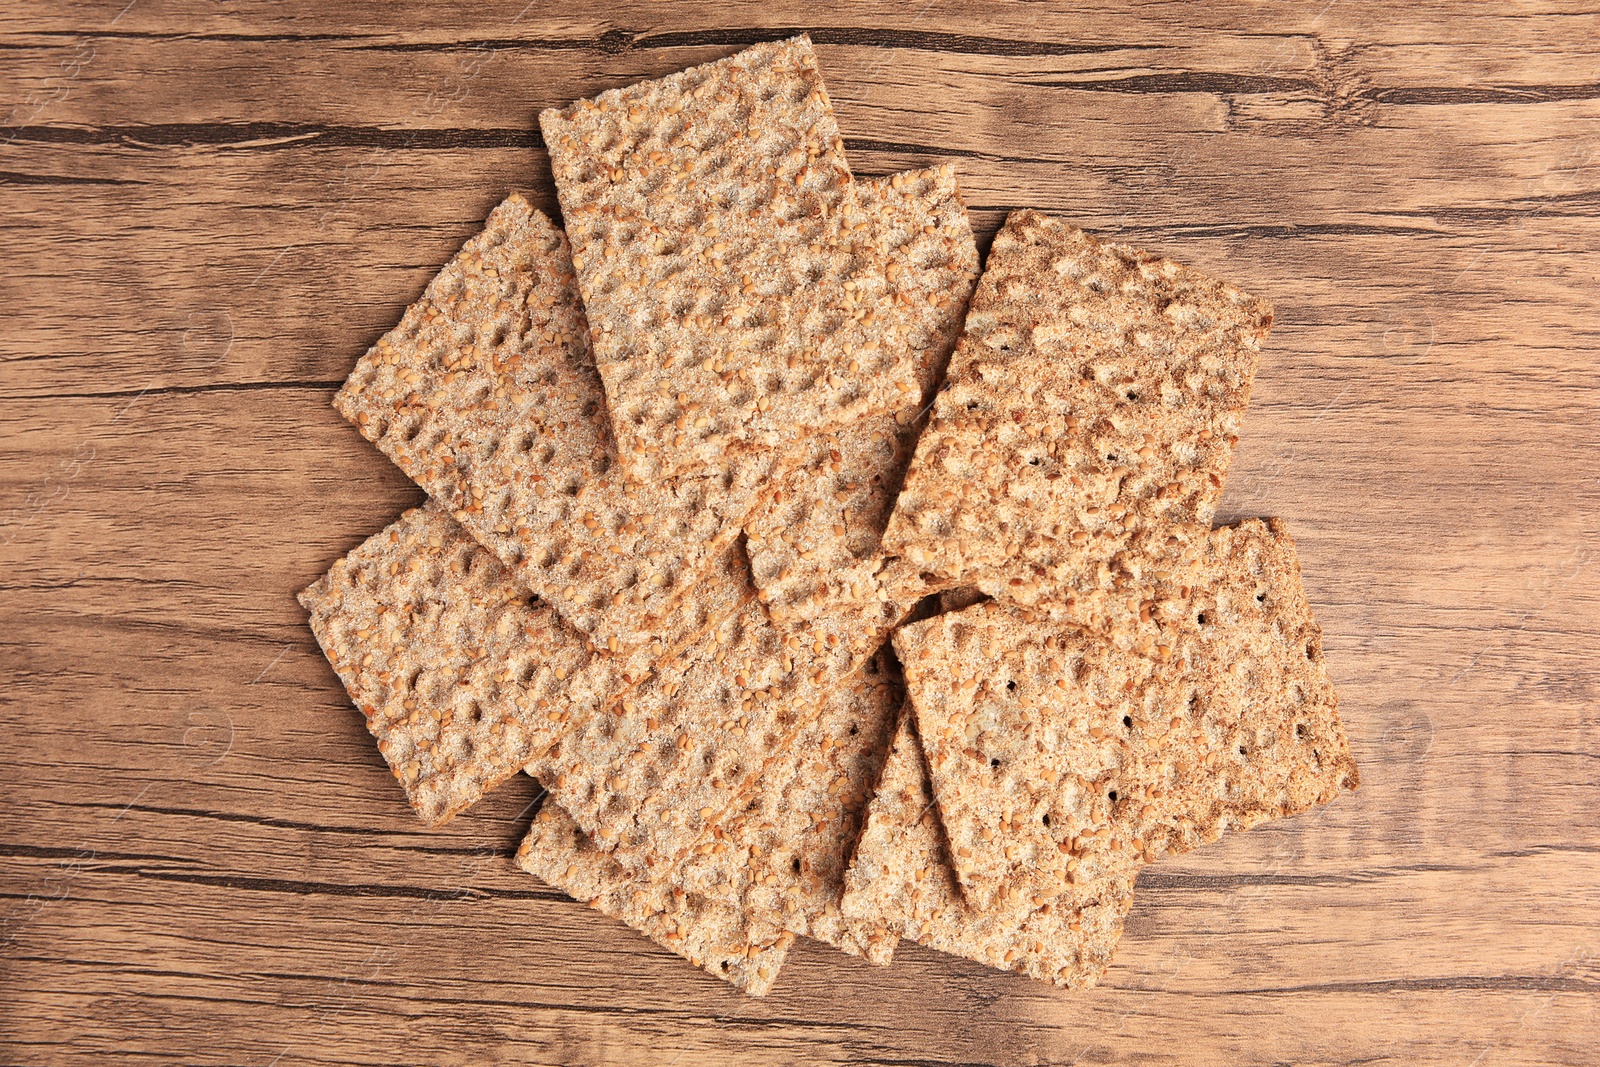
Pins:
x,y
449,662
667,540
459,670
1058,750
486,395
781,853
814,543
901,876
651,775
1096,392
731,276
709,934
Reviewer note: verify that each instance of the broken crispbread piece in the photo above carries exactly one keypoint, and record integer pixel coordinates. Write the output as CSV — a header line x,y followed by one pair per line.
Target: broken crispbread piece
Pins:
x,y
901,876
731,276
710,934
781,852
486,395
651,775
1062,749
815,541
447,659
1096,391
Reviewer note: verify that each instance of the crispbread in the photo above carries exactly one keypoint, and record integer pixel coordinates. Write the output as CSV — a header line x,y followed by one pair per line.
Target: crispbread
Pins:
x,y
1060,749
731,276
901,876
460,677
815,541
651,775
930,264
486,395
461,672
710,934
1096,392
781,853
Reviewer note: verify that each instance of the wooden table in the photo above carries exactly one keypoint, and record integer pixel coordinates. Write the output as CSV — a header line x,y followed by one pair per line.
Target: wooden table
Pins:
x,y
208,216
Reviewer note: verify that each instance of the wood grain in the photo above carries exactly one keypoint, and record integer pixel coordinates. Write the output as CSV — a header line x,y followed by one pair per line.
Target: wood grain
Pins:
x,y
210,213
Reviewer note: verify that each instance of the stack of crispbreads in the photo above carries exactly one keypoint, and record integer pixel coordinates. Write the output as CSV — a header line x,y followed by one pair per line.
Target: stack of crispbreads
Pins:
x,y
820,602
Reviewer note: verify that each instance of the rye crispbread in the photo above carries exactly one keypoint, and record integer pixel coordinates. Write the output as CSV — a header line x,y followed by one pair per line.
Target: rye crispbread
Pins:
x,y
461,677
766,342
651,775
1198,702
486,395
461,671
815,541
1096,392
781,853
731,276
712,935
901,877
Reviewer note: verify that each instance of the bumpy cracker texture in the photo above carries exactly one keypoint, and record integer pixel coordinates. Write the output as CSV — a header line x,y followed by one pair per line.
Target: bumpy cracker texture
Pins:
x,y
731,276
709,934
652,774
781,853
901,876
815,543
461,678
1059,751
1096,391
486,395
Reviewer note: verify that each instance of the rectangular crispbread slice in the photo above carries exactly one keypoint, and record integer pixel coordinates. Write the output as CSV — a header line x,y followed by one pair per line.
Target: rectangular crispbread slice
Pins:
x,y
712,935
1095,392
901,877
732,279
1198,702
460,672
780,854
461,677
486,395
650,775
815,541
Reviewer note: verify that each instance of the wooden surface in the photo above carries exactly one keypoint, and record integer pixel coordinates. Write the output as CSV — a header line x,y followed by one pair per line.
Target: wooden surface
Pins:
x,y
209,214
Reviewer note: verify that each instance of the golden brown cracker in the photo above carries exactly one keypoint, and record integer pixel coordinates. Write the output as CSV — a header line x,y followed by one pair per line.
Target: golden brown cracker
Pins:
x,y
781,853
814,542
651,775
1058,749
486,395
1095,392
461,676
732,278
901,877
712,935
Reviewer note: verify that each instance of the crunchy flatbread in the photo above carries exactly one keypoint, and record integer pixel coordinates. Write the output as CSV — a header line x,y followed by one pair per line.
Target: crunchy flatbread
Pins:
x,y
781,854
731,275
461,676
901,876
710,934
814,542
651,775
486,395
1059,749
1096,393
